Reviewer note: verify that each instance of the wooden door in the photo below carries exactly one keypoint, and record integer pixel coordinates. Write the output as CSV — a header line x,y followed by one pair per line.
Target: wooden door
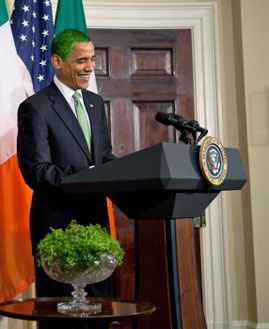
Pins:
x,y
140,73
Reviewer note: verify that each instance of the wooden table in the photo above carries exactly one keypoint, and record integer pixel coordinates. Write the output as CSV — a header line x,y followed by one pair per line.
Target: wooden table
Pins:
x,y
45,308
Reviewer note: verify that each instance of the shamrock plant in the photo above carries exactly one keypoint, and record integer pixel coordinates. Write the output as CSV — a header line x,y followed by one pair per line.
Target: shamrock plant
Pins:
x,y
78,247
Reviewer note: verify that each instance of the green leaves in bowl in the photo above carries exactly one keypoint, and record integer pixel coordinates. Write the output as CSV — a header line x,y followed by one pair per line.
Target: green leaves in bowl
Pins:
x,y
77,247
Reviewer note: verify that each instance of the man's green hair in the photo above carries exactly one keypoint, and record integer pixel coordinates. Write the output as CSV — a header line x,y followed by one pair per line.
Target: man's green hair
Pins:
x,y
63,43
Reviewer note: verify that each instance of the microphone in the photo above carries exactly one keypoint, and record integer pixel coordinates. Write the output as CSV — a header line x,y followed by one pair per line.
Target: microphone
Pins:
x,y
171,119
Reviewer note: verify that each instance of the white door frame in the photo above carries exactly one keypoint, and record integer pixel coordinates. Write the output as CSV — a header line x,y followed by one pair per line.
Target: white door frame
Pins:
x,y
202,18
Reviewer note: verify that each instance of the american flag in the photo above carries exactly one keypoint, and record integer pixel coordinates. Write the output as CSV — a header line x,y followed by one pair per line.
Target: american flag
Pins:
x,y
32,28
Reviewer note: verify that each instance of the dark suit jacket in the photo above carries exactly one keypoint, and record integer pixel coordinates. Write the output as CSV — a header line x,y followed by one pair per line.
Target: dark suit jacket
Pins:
x,y
50,146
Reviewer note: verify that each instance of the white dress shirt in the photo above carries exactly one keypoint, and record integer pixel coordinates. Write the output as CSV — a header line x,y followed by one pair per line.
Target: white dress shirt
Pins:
x,y
68,93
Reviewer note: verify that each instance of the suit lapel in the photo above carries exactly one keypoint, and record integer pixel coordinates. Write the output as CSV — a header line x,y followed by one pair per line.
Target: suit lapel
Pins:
x,y
60,105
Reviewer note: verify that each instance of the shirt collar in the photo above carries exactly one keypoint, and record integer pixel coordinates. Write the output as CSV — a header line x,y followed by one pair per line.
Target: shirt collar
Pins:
x,y
64,89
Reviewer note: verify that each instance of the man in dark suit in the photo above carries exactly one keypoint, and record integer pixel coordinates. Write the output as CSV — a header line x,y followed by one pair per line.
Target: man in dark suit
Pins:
x,y
52,144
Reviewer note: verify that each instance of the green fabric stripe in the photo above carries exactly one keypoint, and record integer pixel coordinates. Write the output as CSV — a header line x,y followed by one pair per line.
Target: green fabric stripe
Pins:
x,y
70,14
3,12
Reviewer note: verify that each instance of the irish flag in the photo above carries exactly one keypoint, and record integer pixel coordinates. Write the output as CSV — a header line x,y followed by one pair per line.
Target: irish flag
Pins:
x,y
70,15
16,262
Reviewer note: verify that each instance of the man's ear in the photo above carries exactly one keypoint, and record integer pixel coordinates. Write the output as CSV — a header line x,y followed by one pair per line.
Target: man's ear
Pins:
x,y
56,61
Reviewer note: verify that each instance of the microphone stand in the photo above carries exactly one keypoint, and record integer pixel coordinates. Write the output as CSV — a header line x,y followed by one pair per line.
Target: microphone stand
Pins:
x,y
185,132
183,137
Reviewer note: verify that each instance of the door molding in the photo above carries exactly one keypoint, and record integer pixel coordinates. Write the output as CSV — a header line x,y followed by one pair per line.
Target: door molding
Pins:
x,y
202,19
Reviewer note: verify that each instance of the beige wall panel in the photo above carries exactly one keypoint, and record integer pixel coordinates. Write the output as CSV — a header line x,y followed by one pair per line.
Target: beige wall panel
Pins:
x,y
255,28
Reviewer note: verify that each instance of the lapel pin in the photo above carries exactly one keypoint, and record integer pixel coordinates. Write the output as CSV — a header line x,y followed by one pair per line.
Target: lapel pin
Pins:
x,y
91,105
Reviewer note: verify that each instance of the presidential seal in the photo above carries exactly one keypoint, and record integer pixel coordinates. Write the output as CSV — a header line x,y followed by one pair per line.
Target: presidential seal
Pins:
x,y
213,161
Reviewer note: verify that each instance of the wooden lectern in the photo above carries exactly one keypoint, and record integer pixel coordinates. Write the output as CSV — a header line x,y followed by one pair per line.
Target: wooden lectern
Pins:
x,y
162,182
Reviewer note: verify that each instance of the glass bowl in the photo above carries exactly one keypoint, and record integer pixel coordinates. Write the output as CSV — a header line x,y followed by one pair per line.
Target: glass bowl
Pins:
x,y
101,270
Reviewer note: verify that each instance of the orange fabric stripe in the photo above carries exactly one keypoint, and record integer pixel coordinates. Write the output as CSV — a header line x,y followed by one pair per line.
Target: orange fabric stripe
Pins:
x,y
111,218
16,261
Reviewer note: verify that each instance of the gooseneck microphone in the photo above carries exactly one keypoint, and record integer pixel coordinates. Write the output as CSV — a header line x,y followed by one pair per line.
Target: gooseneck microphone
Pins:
x,y
171,119
184,126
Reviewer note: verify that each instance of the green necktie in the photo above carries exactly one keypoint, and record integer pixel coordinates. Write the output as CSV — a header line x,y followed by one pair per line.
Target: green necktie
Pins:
x,y
82,119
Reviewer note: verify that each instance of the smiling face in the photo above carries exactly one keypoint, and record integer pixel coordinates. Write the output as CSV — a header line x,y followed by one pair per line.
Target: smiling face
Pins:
x,y
75,71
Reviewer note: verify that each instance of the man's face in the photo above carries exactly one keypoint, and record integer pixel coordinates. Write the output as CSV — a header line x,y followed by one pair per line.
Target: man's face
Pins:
x,y
75,71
